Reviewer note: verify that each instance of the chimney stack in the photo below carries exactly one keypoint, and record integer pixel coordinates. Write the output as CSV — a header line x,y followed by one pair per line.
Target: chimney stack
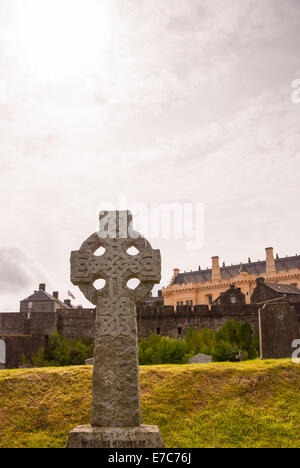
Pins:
x,y
42,287
216,271
176,272
55,294
67,302
271,265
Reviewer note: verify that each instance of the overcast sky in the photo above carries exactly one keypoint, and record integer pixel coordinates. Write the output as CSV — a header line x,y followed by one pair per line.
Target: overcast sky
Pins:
x,y
157,101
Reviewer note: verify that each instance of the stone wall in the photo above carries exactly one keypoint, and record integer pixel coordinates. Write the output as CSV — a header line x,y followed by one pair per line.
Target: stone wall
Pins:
x,y
38,306
278,328
16,346
168,322
41,322
163,320
28,323
12,323
76,323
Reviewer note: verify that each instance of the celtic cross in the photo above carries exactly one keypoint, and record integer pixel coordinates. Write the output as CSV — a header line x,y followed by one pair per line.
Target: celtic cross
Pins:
x,y
116,392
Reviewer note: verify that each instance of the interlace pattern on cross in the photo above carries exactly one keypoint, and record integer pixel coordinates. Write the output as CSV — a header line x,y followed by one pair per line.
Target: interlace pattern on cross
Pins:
x,y
116,266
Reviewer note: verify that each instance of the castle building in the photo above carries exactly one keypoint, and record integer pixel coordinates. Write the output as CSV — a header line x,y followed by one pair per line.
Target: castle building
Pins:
x,y
42,301
206,286
275,292
25,333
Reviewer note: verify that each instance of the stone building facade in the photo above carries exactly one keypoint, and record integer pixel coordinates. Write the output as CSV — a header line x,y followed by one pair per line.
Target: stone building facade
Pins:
x,y
233,295
270,292
27,331
167,321
205,286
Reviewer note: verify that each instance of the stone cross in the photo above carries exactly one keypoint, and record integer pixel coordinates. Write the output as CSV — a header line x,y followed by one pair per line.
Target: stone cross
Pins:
x,y
116,391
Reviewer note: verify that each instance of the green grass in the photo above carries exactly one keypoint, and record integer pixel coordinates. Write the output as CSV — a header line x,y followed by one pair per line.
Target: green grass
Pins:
x,y
252,404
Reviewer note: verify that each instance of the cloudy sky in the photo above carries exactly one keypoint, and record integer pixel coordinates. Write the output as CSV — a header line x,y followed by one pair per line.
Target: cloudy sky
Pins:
x,y
185,101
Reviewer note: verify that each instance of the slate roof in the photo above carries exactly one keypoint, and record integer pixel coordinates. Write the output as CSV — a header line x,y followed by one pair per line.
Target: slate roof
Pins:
x,y
283,288
255,268
44,296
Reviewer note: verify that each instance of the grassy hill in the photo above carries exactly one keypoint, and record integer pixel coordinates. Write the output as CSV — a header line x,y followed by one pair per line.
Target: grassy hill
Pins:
x,y
252,404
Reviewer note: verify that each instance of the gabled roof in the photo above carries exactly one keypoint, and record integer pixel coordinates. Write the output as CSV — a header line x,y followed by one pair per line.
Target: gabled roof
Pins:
x,y
41,295
283,288
228,272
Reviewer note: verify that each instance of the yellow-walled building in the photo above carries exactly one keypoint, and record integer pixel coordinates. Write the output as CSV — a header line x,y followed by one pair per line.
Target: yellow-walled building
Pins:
x,y
205,286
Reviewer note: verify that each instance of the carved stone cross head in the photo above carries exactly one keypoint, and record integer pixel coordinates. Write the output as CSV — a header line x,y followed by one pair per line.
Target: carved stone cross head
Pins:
x,y
116,265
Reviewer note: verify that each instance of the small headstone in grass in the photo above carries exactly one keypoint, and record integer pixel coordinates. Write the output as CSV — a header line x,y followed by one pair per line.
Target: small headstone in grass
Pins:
x,y
201,359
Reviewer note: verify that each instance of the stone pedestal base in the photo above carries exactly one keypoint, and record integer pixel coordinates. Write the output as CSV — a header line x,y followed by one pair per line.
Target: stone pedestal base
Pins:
x,y
115,437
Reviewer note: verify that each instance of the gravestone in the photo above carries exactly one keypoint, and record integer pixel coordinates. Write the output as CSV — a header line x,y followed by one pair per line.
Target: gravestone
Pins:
x,y
116,408
278,328
201,359
2,354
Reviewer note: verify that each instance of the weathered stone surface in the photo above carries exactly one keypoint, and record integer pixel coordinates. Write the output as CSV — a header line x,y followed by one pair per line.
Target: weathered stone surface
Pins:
x,y
201,359
18,346
103,437
116,390
278,328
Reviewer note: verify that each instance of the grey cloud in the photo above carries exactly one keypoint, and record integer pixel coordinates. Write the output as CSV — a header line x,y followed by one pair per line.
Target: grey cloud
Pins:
x,y
14,274
18,272
193,104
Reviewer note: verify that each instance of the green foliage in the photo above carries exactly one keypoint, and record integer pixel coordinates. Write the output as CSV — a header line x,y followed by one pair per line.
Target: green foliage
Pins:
x,y
24,361
223,345
162,350
225,352
61,351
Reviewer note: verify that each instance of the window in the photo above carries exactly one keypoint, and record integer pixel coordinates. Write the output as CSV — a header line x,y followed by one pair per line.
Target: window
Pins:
x,y
30,305
210,300
179,329
233,300
158,331
189,303
28,316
